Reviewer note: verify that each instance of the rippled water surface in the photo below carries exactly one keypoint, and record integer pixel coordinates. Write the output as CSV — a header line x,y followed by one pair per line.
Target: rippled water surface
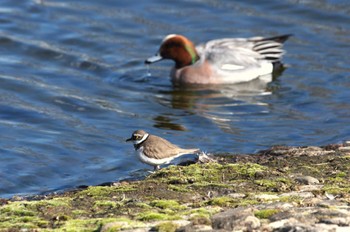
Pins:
x,y
74,85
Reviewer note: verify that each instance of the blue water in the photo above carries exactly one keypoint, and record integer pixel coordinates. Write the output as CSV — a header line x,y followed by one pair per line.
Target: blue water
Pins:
x,y
74,85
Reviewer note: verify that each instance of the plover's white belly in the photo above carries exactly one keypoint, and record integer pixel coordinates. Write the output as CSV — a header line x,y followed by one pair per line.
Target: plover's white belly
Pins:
x,y
151,161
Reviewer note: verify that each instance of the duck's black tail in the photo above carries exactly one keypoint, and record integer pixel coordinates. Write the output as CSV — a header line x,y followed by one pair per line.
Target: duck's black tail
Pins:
x,y
270,48
278,39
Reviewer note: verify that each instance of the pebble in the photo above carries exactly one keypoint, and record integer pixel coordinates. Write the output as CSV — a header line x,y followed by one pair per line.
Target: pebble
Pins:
x,y
113,226
347,149
309,188
236,195
266,197
234,219
340,221
307,180
298,194
252,223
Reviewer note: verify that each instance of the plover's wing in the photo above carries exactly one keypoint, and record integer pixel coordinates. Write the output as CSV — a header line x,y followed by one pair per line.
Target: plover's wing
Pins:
x,y
160,148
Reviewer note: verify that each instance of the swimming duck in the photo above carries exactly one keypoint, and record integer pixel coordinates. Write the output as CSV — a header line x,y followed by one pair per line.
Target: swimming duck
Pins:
x,y
220,61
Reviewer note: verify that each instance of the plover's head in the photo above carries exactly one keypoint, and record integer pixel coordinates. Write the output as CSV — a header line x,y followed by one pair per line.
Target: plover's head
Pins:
x,y
138,136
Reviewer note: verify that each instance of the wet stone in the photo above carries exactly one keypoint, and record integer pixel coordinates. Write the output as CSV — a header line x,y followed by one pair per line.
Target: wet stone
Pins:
x,y
298,194
238,219
340,221
236,195
307,180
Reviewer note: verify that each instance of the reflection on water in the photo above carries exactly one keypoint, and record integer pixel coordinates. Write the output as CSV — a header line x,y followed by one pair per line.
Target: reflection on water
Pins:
x,y
217,103
74,85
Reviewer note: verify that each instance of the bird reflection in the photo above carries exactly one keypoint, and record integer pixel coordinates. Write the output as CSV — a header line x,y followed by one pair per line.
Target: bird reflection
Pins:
x,y
221,104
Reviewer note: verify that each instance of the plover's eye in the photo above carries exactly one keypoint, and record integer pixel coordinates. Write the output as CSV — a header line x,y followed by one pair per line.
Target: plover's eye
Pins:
x,y
137,137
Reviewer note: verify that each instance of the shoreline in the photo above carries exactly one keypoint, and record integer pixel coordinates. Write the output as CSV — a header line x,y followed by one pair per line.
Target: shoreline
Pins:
x,y
278,189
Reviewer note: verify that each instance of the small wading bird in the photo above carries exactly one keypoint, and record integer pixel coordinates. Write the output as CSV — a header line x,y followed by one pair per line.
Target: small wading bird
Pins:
x,y
154,150
221,61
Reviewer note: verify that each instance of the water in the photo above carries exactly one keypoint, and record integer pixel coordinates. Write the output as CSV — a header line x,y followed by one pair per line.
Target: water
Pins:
x,y
74,86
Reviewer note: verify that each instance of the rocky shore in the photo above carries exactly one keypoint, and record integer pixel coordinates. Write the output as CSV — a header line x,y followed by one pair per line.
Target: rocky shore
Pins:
x,y
279,189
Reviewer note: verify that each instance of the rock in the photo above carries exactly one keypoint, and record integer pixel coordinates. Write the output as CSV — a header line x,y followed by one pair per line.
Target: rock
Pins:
x,y
343,229
113,226
237,219
309,188
297,151
346,149
340,221
134,230
331,212
236,195
325,227
194,228
307,180
280,205
266,197
280,223
252,222
294,225
298,194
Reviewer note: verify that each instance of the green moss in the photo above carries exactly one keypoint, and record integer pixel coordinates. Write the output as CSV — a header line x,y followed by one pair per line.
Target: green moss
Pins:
x,y
211,173
201,211
142,205
296,199
28,214
17,209
166,227
167,204
78,212
212,185
246,169
266,213
266,183
120,223
179,188
200,220
160,196
313,170
221,201
115,227
106,191
16,215
151,216
97,191
248,202
92,224
345,157
341,174
335,190
189,174
56,202
108,204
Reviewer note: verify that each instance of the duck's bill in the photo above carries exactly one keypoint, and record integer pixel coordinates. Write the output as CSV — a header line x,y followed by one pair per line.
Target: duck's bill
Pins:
x,y
153,59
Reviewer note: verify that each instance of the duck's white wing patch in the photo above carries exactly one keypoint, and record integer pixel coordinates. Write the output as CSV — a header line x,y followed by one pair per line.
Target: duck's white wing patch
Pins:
x,y
236,60
231,67
263,71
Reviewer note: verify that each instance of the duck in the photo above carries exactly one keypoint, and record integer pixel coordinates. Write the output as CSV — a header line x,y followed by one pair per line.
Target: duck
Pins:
x,y
221,61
